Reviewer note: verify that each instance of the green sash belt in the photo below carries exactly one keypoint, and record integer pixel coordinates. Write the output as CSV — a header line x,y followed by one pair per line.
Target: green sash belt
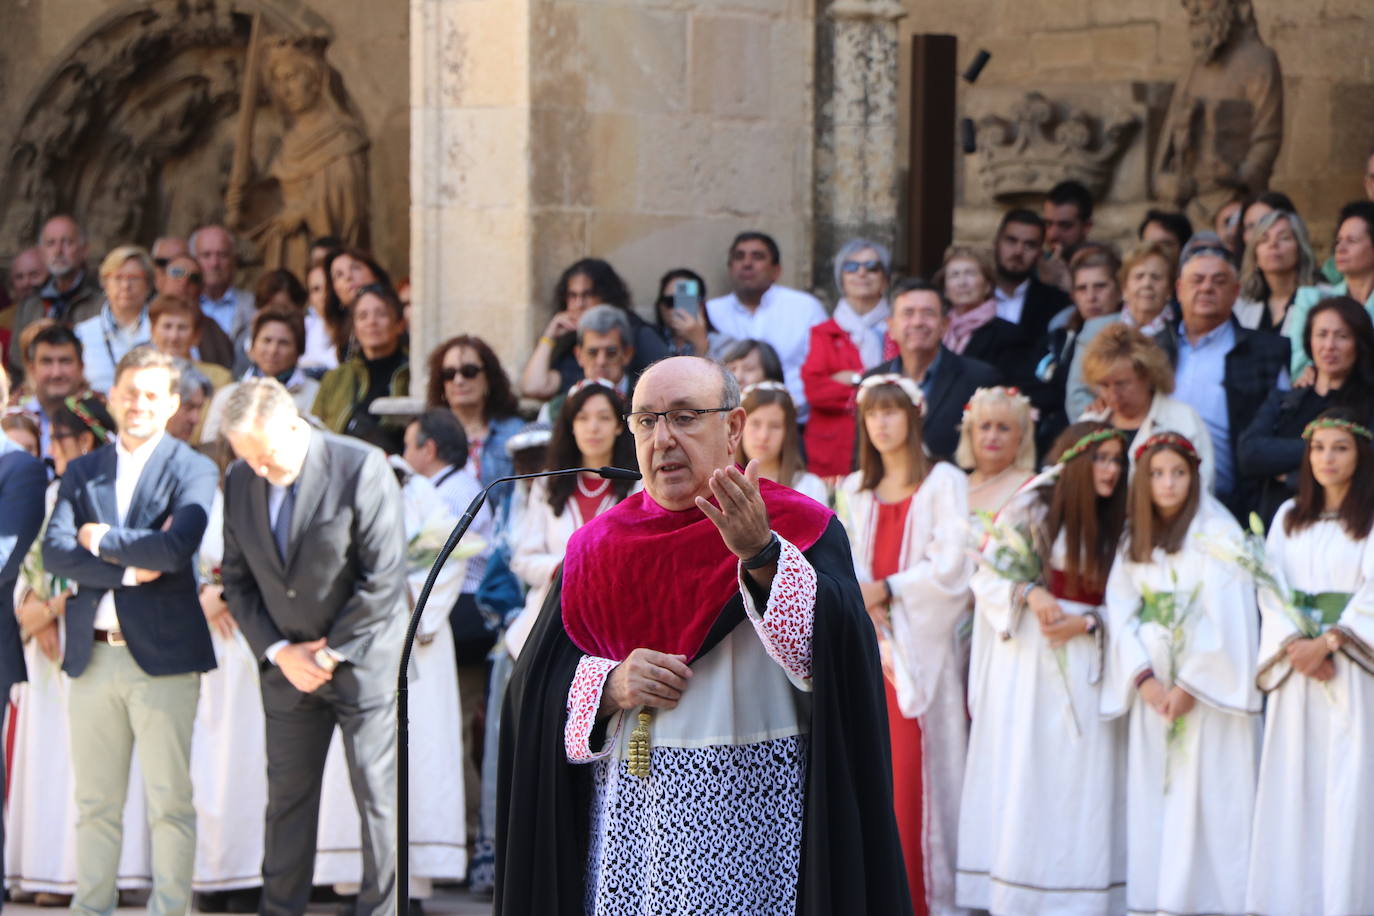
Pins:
x,y
1323,607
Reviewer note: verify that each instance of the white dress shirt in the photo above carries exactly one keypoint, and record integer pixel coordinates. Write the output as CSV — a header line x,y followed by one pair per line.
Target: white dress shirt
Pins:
x,y
458,487
129,467
1010,305
784,319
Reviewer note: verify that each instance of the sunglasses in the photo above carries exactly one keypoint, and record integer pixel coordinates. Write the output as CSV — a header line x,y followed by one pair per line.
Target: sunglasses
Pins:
x,y
467,370
177,273
852,267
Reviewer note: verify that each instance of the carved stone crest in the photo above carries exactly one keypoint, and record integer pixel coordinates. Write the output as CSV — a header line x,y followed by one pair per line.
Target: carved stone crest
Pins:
x,y
1042,142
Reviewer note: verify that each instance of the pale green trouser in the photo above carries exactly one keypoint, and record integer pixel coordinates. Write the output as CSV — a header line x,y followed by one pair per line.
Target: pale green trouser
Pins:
x,y
115,707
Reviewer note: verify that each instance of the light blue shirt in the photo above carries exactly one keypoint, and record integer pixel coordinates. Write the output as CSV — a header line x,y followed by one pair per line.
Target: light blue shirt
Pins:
x,y
221,310
1198,382
104,343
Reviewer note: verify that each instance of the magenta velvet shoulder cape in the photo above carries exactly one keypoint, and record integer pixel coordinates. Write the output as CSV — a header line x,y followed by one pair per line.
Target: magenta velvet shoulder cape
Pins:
x,y
641,576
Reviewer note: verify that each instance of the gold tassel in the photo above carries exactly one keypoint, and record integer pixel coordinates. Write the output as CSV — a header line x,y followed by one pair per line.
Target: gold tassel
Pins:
x,y
638,761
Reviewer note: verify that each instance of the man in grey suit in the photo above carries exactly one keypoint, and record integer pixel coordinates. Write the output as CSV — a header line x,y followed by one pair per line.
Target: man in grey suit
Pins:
x,y
128,519
314,573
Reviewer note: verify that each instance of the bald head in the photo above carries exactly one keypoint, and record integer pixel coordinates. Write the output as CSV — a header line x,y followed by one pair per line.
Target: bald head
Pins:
x,y
28,273
677,453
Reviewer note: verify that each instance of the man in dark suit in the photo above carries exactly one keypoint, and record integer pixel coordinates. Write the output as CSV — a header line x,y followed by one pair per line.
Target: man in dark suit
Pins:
x,y
920,316
128,519
22,482
314,573
1021,297
1223,370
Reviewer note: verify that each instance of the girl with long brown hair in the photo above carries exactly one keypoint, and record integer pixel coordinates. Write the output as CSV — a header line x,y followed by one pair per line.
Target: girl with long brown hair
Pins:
x,y
1182,632
907,519
1309,851
1033,694
771,436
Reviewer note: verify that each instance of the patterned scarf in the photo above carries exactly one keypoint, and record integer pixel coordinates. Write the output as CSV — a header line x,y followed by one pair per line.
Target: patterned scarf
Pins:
x,y
962,326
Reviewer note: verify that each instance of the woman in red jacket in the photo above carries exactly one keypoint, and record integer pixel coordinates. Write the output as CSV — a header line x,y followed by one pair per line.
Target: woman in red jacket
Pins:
x,y
841,349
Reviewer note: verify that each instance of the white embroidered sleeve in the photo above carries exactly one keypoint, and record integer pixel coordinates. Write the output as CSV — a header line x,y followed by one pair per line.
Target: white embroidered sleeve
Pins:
x,y
584,700
784,626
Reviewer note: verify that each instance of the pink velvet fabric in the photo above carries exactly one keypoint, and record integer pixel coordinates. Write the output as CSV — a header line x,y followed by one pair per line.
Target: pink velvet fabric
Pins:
x,y
640,576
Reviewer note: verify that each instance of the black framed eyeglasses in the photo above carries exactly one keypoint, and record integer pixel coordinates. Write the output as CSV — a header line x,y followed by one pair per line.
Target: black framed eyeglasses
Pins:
x,y
467,371
852,267
683,420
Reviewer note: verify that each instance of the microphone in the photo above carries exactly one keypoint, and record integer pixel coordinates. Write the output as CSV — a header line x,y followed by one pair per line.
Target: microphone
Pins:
x,y
402,678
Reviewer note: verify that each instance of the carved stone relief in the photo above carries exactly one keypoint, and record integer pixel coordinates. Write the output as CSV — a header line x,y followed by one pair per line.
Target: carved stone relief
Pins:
x,y
133,130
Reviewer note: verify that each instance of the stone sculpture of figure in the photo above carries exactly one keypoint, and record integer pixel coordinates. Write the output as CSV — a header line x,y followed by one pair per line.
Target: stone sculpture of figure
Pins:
x,y
1225,121
320,168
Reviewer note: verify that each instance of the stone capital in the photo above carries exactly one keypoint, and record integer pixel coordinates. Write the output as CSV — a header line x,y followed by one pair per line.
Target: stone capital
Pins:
x,y
851,10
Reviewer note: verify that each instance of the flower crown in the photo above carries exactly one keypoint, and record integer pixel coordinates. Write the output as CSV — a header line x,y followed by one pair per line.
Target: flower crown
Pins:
x,y
983,394
102,435
766,385
1354,429
588,382
1082,445
1178,441
909,388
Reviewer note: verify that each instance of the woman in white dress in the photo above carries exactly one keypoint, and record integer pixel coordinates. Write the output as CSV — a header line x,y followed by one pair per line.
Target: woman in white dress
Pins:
x,y
1182,628
1313,839
907,520
1041,827
438,831
40,830
589,432
996,447
228,747
771,436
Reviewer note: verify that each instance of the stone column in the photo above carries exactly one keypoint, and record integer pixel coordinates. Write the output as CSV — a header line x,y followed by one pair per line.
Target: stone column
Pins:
x,y
470,197
856,127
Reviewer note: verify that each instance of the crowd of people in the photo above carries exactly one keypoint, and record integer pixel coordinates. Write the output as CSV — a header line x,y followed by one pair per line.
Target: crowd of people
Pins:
x,y
1045,458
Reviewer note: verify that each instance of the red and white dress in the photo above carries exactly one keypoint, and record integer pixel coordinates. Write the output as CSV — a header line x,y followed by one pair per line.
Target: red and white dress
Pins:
x,y
920,546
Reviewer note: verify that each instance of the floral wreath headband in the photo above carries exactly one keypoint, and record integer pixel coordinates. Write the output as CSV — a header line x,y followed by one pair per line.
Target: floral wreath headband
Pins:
x,y
1093,438
766,385
102,435
1177,441
1354,429
909,388
1011,393
580,384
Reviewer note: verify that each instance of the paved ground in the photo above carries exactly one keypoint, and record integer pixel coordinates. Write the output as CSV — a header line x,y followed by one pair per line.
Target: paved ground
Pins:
x,y
447,901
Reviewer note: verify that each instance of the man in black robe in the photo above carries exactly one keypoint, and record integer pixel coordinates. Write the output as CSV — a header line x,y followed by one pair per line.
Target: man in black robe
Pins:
x,y
697,721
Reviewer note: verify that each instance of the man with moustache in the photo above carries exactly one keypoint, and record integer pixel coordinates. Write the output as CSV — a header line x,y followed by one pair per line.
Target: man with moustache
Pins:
x,y
696,722
314,574
1224,126
920,317
71,293
1022,298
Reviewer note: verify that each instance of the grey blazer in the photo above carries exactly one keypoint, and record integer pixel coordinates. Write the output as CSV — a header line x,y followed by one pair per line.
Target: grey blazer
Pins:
x,y
343,578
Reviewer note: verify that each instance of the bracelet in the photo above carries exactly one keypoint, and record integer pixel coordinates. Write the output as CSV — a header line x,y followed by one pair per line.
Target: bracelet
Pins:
x,y
1143,676
767,556
1090,624
544,338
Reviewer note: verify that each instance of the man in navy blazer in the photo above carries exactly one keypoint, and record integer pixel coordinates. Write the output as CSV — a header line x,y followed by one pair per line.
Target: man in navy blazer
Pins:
x,y
22,482
127,522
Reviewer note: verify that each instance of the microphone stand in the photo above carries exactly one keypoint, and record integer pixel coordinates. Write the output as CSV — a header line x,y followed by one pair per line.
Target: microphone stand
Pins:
x,y
402,676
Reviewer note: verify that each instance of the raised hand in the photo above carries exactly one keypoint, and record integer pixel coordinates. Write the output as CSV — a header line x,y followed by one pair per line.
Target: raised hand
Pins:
x,y
741,518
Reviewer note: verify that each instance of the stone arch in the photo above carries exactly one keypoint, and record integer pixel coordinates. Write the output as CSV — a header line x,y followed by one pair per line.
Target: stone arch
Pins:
x,y
132,127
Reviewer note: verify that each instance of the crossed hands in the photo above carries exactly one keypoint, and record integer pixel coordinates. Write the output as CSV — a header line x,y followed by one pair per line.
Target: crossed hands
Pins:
x,y
1311,658
1172,704
1056,626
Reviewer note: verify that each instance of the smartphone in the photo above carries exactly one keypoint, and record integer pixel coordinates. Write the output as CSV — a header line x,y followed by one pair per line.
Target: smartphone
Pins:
x,y
687,297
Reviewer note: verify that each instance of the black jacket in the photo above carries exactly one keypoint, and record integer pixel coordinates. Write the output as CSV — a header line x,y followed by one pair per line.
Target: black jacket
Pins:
x,y
161,620
1041,304
956,378
1252,371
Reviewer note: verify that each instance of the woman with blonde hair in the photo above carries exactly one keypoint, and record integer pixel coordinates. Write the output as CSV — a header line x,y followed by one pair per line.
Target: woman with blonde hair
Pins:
x,y
770,435
126,275
1134,382
1147,279
1278,262
996,446
907,519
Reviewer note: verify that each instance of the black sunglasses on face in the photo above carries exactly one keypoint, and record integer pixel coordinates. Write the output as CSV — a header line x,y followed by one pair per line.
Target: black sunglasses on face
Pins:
x,y
852,267
467,370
